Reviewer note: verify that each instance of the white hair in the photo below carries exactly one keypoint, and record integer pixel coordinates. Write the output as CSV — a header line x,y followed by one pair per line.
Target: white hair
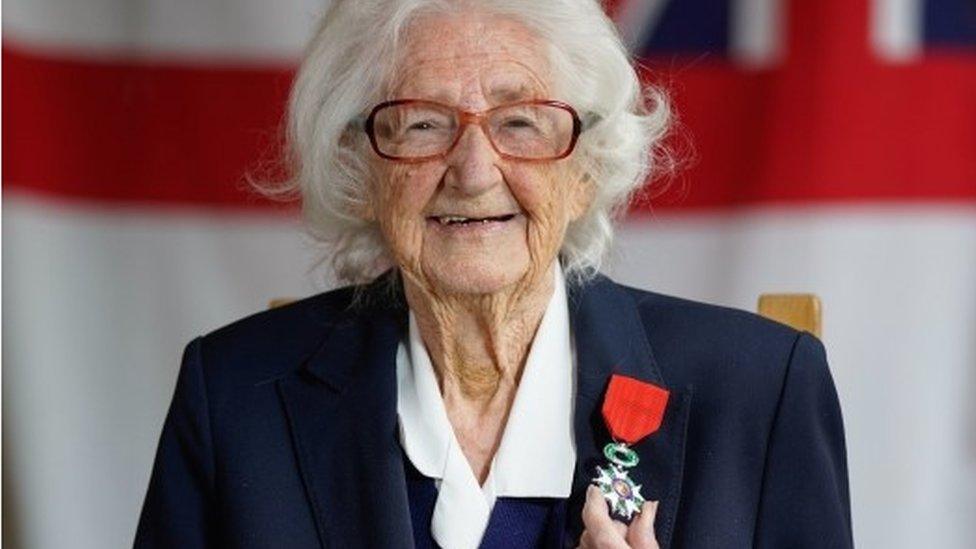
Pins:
x,y
350,61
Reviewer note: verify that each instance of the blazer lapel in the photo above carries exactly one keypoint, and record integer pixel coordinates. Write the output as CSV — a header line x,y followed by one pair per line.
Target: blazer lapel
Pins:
x,y
610,338
341,407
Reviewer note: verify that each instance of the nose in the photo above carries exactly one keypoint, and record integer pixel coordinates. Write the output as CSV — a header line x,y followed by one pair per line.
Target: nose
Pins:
x,y
472,165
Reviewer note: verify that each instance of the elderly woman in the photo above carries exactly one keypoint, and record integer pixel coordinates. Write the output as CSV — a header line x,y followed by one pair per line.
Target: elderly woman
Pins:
x,y
465,159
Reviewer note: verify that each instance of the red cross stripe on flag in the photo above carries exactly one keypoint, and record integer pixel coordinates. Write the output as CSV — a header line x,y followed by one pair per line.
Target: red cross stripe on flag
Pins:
x,y
831,117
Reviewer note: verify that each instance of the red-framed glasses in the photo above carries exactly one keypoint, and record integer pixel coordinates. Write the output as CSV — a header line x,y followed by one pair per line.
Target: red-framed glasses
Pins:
x,y
416,130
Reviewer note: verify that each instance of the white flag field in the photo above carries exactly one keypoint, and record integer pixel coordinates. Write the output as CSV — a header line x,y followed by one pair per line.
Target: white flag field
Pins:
x,y
834,153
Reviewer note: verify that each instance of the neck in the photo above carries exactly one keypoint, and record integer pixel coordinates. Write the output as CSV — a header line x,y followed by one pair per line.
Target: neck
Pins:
x,y
478,343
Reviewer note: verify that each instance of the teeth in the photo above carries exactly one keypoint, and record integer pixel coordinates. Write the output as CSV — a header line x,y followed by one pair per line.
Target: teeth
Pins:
x,y
452,219
448,219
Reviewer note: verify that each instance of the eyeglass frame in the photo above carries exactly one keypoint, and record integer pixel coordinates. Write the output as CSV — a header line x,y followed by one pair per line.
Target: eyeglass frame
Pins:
x,y
472,117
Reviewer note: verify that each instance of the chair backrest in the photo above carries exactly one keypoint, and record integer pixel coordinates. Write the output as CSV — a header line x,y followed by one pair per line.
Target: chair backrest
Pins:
x,y
280,301
801,311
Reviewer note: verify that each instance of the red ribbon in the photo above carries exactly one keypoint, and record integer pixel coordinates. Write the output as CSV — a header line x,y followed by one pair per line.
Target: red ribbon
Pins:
x,y
632,408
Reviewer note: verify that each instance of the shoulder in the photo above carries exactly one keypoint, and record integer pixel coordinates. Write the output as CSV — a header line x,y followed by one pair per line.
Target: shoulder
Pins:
x,y
743,369
708,345
271,343
708,323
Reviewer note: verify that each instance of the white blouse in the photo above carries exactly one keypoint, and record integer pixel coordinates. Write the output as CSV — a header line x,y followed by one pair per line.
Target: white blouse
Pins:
x,y
537,453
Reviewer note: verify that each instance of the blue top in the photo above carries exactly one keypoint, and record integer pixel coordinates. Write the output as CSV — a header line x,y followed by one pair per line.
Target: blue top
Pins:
x,y
515,523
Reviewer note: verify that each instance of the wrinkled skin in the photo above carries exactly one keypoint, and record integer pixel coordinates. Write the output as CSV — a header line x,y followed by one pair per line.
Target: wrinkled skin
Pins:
x,y
478,295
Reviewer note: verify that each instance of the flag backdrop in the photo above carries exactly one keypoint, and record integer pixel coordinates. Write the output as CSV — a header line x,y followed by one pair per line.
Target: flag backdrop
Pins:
x,y
834,152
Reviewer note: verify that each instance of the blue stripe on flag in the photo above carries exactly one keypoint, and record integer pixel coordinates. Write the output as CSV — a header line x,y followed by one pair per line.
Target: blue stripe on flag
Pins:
x,y
950,22
690,26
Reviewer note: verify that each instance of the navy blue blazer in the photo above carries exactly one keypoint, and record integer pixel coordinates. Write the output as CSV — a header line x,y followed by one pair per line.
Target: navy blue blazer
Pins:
x,y
282,431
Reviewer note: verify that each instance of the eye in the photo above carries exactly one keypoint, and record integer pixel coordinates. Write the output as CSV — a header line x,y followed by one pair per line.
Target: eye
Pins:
x,y
422,125
516,123
425,122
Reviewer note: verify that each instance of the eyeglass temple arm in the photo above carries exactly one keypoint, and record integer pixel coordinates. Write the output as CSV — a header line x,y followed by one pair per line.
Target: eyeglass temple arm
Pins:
x,y
589,119
358,123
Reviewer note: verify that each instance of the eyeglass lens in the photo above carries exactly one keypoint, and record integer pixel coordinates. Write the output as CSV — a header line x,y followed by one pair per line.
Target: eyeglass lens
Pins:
x,y
417,130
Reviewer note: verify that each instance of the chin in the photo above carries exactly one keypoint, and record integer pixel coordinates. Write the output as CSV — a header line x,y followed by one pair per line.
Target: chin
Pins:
x,y
474,277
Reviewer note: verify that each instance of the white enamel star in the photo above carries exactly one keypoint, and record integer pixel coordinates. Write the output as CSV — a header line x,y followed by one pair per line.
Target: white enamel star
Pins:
x,y
619,490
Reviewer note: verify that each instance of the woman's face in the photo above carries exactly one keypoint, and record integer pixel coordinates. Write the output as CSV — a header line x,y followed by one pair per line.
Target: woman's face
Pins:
x,y
475,63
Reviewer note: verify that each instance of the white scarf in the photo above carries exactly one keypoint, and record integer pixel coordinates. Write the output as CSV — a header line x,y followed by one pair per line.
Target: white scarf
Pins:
x,y
537,454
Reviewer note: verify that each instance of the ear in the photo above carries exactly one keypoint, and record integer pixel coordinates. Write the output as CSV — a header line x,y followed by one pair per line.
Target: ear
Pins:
x,y
581,195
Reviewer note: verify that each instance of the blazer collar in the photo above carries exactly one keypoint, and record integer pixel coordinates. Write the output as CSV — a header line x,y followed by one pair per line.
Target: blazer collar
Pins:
x,y
341,406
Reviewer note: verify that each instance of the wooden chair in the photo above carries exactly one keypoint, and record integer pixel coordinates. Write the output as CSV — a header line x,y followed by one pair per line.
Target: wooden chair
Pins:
x,y
279,302
801,311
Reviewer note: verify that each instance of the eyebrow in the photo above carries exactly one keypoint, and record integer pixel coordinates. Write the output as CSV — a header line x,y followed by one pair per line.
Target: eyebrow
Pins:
x,y
508,94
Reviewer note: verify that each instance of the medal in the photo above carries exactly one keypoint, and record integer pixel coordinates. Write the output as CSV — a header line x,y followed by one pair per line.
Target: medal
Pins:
x,y
632,409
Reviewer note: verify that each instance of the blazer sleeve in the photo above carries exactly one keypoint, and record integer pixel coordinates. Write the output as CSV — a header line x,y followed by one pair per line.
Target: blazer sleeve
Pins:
x,y
179,506
804,499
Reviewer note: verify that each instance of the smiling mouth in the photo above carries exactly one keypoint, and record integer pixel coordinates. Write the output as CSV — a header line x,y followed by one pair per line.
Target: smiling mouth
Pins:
x,y
461,220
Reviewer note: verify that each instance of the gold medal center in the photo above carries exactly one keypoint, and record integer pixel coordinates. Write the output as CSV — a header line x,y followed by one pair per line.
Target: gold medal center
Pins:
x,y
622,488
